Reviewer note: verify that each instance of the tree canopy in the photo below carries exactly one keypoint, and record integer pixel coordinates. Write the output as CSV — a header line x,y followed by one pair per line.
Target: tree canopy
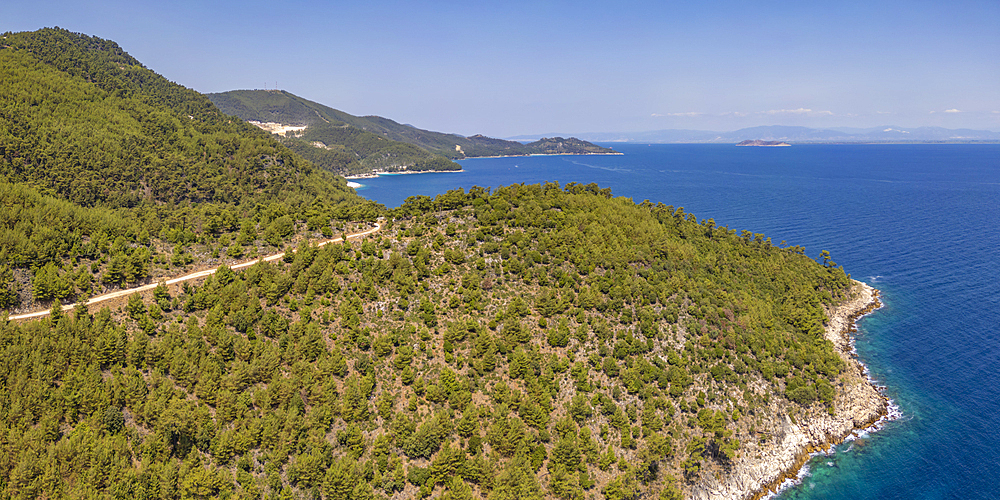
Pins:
x,y
541,340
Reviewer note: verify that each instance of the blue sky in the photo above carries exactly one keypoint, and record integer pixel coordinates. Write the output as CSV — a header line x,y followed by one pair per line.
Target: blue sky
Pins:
x,y
510,68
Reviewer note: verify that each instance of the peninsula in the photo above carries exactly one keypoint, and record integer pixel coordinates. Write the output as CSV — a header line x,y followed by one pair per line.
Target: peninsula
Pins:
x,y
366,145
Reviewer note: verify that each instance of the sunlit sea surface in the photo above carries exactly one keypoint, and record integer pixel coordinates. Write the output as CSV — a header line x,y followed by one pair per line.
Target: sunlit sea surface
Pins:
x,y
919,222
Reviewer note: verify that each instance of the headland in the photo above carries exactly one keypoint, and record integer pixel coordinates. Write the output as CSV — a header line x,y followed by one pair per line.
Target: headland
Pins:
x,y
764,466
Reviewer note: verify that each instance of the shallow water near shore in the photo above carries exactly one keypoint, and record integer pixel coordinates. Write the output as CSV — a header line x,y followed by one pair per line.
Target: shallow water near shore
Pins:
x,y
919,222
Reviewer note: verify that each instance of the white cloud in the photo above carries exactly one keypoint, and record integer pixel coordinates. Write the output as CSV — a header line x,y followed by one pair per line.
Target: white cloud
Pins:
x,y
734,113
800,111
689,114
952,110
883,112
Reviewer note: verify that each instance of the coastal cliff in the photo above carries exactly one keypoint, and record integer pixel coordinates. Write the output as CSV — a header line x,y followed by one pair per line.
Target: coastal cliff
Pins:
x,y
763,466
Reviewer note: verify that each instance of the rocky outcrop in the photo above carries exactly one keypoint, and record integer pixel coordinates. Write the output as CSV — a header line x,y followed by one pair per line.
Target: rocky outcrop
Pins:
x,y
762,467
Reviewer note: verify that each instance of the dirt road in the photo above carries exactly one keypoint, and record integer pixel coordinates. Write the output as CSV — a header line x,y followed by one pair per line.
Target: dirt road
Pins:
x,y
187,277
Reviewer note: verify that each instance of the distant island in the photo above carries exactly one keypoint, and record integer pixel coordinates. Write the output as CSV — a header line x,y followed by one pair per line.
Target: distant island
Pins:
x,y
758,142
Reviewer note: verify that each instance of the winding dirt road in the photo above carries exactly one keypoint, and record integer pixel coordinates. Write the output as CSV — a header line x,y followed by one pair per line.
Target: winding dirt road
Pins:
x,y
186,277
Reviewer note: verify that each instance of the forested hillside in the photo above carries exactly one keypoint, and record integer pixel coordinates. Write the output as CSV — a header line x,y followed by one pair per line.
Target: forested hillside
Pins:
x,y
334,128
348,150
110,174
337,141
531,342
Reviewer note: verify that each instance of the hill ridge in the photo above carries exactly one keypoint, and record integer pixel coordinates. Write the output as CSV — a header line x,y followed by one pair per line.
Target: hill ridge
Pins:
x,y
291,110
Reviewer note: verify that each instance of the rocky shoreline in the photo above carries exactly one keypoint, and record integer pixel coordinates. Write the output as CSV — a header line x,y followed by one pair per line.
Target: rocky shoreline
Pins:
x,y
762,467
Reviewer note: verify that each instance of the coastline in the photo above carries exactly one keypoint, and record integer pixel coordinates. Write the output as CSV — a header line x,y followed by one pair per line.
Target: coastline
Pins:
x,y
374,175
762,469
542,154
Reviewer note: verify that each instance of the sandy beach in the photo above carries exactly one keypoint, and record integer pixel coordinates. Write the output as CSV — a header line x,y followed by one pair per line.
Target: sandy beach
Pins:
x,y
374,175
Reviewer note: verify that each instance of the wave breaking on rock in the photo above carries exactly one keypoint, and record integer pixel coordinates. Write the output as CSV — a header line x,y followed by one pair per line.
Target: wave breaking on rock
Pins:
x,y
763,469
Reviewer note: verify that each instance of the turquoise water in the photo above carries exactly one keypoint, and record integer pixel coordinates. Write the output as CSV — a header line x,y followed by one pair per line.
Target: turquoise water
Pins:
x,y
919,222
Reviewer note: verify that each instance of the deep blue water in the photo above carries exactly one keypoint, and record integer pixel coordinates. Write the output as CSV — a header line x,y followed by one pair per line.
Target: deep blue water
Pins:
x,y
919,222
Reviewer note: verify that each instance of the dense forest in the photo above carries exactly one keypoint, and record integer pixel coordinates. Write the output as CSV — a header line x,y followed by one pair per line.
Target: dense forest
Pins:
x,y
528,341
109,172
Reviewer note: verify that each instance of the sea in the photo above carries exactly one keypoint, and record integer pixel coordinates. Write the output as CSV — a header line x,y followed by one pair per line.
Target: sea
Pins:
x,y
919,222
